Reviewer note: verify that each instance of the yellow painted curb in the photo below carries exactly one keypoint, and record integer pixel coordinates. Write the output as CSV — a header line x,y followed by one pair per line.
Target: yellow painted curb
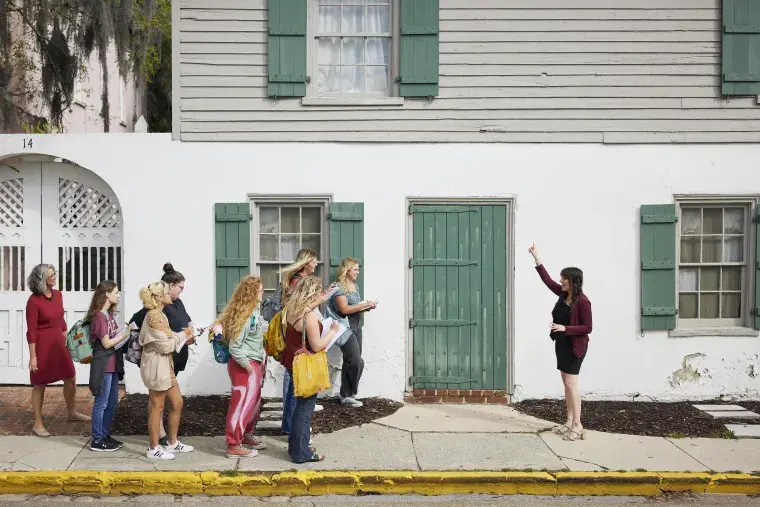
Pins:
x,y
306,483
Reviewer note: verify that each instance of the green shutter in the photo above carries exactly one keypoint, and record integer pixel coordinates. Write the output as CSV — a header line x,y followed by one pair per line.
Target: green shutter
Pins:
x,y
232,245
418,74
347,237
756,306
286,50
741,47
658,267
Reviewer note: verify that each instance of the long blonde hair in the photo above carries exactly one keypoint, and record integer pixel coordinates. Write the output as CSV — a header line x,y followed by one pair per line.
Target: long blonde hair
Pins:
x,y
342,276
304,294
239,308
304,257
152,296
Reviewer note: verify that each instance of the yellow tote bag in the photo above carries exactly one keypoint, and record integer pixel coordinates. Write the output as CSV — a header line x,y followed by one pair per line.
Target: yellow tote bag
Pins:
x,y
310,373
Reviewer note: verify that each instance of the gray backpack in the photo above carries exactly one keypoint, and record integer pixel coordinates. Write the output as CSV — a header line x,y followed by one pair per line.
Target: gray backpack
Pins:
x,y
272,305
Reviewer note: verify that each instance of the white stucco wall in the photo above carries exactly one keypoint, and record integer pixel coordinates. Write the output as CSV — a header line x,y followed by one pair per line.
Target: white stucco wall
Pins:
x,y
578,202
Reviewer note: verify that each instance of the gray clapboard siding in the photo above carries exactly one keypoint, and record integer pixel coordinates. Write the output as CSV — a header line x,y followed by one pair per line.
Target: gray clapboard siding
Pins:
x,y
586,71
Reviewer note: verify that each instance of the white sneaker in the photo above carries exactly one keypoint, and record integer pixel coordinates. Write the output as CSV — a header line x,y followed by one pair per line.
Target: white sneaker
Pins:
x,y
351,402
318,408
178,447
158,453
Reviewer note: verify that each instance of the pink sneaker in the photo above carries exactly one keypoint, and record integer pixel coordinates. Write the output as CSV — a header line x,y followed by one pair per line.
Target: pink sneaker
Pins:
x,y
254,442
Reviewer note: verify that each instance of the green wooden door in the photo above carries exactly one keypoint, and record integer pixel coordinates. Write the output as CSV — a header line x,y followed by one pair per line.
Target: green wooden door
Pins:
x,y
459,280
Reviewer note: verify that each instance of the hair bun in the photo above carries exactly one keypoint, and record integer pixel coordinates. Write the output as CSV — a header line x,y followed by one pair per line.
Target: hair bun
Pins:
x,y
168,268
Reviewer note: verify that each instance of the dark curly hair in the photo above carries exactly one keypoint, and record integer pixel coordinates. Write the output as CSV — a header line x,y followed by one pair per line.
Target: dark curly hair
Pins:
x,y
575,277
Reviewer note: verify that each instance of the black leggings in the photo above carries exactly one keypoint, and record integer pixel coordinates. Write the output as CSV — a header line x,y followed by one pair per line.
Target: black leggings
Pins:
x,y
353,364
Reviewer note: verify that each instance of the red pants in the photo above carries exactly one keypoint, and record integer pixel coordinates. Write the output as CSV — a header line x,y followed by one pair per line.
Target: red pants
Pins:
x,y
244,402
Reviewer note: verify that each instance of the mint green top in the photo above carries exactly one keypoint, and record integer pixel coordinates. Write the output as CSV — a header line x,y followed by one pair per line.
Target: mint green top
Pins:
x,y
249,344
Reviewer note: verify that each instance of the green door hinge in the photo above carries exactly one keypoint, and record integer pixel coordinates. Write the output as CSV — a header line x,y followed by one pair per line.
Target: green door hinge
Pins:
x,y
441,323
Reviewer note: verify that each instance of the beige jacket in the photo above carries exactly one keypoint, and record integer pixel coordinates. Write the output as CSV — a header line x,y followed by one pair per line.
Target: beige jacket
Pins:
x,y
158,344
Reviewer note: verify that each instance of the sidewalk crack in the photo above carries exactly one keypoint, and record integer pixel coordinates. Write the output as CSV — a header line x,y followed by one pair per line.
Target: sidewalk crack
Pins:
x,y
687,453
604,468
414,449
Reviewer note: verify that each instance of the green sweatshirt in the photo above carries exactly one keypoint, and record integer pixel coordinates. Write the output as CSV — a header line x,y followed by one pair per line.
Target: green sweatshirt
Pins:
x,y
249,344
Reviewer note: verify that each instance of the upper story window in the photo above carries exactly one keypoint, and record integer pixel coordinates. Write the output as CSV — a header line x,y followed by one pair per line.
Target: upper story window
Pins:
x,y
352,47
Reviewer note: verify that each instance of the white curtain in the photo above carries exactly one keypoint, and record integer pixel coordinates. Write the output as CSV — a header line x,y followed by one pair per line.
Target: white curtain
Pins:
x,y
353,64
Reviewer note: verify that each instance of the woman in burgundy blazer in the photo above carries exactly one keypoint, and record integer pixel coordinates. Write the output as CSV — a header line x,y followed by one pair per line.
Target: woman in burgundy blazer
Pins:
x,y
571,325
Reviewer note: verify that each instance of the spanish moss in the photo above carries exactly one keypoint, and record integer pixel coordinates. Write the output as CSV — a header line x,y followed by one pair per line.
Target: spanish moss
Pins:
x,y
45,45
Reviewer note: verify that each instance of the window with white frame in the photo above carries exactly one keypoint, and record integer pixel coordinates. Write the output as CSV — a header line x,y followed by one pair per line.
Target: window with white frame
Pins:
x,y
714,252
281,230
352,47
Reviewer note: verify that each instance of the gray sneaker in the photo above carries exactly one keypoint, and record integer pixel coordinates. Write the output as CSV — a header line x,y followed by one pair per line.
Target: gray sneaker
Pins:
x,y
351,402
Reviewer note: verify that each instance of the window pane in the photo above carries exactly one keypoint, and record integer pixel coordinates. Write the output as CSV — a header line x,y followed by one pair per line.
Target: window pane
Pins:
x,y
734,221
708,306
711,248
379,19
377,80
289,247
268,247
687,306
687,280
378,51
328,80
328,51
709,279
329,19
691,221
268,220
312,242
352,79
733,249
732,279
353,51
690,249
269,276
291,220
353,19
713,220
731,306
312,220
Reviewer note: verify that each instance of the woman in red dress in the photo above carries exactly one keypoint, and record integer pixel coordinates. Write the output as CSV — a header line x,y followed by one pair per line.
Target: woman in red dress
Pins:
x,y
49,358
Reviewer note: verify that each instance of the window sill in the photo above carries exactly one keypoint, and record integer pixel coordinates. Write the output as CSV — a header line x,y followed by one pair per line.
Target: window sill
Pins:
x,y
732,332
339,101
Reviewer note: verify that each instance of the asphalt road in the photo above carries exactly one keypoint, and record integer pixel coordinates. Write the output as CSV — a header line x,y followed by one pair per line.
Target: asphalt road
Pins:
x,y
387,501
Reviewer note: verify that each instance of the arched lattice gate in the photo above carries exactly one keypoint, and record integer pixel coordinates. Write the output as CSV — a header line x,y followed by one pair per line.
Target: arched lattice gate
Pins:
x,y
64,215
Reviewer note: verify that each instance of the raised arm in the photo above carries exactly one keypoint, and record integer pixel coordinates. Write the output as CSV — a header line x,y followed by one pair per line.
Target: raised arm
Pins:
x,y
551,284
584,317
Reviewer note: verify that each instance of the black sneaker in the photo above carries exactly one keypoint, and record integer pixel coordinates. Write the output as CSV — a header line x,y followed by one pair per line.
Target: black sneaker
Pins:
x,y
163,441
103,446
114,441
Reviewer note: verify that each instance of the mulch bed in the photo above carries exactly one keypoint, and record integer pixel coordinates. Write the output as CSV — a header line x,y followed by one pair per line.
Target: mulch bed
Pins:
x,y
654,419
206,415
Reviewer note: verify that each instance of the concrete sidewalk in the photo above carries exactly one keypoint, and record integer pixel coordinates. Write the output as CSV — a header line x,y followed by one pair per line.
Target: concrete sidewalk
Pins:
x,y
416,438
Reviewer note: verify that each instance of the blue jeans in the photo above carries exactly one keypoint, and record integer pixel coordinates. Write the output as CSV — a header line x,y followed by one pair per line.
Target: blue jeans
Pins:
x,y
104,407
298,439
288,402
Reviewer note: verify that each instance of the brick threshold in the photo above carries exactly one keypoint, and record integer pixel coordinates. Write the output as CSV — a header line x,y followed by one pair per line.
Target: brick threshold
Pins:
x,y
463,396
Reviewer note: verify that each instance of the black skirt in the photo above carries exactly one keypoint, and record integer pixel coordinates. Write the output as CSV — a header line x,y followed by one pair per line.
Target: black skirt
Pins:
x,y
566,360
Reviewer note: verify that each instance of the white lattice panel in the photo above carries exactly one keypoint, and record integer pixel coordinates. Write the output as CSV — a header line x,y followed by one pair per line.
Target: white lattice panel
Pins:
x,y
80,206
12,203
